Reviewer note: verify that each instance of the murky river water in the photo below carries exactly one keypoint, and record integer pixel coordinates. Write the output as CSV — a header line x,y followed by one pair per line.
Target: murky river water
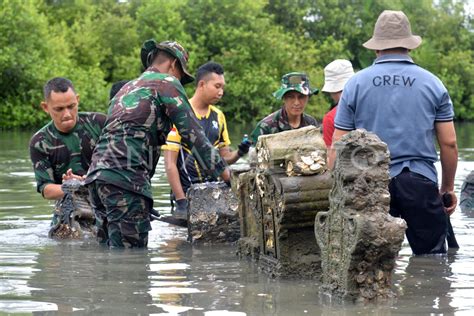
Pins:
x,y
44,277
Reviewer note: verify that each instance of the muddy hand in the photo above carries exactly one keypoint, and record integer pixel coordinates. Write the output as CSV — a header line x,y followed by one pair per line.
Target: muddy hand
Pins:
x,y
69,175
226,175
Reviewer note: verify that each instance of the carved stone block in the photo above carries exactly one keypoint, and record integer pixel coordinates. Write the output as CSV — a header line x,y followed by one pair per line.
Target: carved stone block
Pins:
x,y
358,238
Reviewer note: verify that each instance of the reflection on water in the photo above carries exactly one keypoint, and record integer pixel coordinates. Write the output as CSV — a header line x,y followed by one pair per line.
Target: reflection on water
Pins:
x,y
171,277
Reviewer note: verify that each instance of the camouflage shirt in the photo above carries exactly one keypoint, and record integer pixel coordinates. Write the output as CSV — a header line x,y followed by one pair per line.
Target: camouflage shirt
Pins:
x,y
139,120
278,122
53,152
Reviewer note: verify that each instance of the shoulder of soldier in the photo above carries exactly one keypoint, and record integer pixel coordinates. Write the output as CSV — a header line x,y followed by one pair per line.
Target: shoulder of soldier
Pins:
x,y
152,77
267,122
43,132
272,118
310,120
92,117
165,85
42,135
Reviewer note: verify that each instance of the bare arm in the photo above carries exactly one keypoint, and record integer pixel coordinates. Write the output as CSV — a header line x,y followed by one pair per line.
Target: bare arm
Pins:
x,y
171,168
53,192
229,156
338,133
446,136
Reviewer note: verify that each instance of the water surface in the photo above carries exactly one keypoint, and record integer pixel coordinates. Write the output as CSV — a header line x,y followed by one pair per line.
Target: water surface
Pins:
x,y
44,277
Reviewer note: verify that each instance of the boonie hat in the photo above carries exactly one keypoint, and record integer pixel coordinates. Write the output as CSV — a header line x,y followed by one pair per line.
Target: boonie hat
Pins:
x,y
392,30
336,74
294,81
150,47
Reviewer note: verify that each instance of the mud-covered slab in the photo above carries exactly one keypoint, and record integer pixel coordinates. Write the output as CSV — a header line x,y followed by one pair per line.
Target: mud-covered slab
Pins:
x,y
213,213
74,213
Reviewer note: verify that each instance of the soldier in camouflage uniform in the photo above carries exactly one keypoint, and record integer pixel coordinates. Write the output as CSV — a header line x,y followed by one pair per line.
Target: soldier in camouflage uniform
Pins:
x,y
295,92
63,147
140,117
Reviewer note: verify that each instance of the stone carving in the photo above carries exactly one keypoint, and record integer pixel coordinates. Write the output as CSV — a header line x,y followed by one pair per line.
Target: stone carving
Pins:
x,y
250,214
75,215
358,238
278,203
289,206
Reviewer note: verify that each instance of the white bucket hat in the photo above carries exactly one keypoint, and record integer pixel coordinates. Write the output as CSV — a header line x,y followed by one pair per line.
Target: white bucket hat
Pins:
x,y
336,74
392,30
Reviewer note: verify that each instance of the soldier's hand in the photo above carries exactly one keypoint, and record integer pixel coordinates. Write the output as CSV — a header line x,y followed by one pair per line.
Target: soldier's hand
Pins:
x,y
244,147
225,175
181,210
69,175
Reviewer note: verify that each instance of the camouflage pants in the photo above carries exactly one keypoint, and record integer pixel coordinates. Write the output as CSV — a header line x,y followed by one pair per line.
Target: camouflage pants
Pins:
x,y
122,217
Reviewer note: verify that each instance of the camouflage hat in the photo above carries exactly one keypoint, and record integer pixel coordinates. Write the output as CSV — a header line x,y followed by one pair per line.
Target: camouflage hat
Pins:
x,y
150,47
294,81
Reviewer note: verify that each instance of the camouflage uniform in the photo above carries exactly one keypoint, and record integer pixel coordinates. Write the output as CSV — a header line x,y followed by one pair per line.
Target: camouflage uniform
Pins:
x,y
140,117
215,128
53,152
278,121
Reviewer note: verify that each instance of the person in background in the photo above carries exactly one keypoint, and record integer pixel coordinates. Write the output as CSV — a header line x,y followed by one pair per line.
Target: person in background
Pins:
x,y
116,86
295,92
336,74
181,166
406,106
140,117
62,149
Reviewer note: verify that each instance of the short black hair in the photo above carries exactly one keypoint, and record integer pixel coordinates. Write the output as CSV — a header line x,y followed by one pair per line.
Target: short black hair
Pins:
x,y
57,84
116,88
208,68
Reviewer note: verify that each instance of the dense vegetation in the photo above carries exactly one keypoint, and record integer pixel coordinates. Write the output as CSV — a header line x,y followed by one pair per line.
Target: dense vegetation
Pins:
x,y
95,43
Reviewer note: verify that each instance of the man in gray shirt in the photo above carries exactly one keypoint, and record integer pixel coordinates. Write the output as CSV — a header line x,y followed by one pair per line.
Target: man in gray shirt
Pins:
x,y
406,106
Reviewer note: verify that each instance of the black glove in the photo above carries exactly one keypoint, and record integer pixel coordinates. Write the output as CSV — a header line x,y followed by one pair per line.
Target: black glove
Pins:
x,y
154,214
181,210
244,147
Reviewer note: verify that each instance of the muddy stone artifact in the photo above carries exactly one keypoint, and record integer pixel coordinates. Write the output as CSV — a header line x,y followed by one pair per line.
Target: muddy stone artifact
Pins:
x,y
358,238
250,214
278,203
289,205
212,215
75,215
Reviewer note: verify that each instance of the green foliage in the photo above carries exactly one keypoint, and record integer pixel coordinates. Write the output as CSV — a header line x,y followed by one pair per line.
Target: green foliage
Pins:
x,y
340,27
95,43
255,52
27,53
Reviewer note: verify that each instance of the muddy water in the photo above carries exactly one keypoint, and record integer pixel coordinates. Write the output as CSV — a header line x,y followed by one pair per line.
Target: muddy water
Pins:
x,y
43,277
